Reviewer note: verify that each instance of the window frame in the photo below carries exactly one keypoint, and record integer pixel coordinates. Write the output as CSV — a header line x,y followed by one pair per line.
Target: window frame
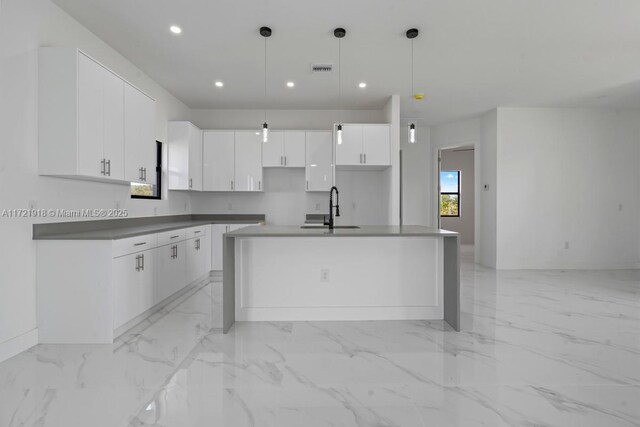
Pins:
x,y
448,193
158,183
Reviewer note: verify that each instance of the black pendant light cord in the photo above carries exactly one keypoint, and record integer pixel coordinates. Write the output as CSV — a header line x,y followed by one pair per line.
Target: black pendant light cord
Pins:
x,y
340,78
265,80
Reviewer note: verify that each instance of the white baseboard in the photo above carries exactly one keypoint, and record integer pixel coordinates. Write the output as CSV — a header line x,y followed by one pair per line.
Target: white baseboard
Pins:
x,y
17,345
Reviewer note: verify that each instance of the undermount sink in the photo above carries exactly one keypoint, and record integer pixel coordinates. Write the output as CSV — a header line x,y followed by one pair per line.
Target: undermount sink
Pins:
x,y
326,226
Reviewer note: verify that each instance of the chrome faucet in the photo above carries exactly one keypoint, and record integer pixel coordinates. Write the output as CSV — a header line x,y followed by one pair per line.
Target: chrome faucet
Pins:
x,y
331,206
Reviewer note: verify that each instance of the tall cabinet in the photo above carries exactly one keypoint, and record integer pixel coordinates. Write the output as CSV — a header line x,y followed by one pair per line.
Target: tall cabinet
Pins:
x,y
185,156
92,124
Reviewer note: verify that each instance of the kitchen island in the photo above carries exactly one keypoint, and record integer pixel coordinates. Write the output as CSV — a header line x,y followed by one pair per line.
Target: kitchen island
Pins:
x,y
289,273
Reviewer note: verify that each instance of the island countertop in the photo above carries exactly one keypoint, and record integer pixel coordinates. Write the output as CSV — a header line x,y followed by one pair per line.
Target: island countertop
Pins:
x,y
363,231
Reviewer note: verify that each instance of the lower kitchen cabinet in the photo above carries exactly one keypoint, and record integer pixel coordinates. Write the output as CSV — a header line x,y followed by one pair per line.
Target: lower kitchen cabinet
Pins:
x,y
172,269
134,279
217,231
198,251
89,291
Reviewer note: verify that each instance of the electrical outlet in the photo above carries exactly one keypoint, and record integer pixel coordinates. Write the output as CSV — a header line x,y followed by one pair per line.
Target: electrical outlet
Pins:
x,y
324,275
566,245
620,207
155,210
186,206
354,205
317,207
230,207
117,205
33,204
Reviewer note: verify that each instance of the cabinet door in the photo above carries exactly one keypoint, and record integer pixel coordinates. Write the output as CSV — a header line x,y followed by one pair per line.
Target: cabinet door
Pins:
x,y
195,158
147,280
90,118
198,250
294,149
350,152
273,150
171,271
319,161
217,230
218,161
377,145
248,161
178,155
139,136
114,125
134,279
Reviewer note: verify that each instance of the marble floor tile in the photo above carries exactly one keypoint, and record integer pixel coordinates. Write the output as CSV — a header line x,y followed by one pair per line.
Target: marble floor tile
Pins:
x,y
538,348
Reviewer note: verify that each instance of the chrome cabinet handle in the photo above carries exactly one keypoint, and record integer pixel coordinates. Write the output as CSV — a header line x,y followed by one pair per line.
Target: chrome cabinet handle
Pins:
x,y
232,186
140,244
137,262
145,174
280,160
365,158
175,237
141,174
197,244
142,259
360,158
102,167
197,231
108,172
285,160
259,185
190,182
307,184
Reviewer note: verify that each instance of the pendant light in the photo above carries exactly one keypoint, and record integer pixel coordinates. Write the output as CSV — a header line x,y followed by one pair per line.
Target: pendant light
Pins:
x,y
339,33
411,35
266,33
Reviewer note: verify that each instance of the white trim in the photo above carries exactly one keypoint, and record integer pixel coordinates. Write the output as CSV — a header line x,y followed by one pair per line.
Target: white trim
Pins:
x,y
18,344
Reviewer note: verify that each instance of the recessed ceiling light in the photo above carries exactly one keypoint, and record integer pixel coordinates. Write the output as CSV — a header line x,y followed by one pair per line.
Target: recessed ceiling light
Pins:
x,y
219,84
175,29
290,84
362,85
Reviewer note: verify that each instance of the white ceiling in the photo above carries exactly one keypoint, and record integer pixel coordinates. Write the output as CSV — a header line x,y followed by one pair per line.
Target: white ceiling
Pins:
x,y
471,55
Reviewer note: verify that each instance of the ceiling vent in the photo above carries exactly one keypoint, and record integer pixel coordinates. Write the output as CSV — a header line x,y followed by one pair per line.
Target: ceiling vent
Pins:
x,y
321,68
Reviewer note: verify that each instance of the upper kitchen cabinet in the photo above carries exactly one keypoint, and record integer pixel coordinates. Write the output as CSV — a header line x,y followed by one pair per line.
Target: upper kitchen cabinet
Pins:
x,y
284,149
92,124
218,161
365,146
248,161
80,117
319,160
185,156
139,136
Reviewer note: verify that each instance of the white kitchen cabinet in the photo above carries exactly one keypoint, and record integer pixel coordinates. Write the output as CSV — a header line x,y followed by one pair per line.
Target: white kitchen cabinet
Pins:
x,y
364,145
140,152
319,161
376,141
273,150
284,149
184,156
134,278
248,161
198,252
171,269
218,157
80,117
92,124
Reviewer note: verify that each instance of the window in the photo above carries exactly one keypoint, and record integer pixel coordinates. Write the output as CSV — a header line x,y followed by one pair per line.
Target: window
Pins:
x,y
150,191
450,193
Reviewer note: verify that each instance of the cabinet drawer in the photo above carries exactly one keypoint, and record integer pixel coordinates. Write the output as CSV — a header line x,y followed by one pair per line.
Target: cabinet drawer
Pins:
x,y
172,236
199,231
134,244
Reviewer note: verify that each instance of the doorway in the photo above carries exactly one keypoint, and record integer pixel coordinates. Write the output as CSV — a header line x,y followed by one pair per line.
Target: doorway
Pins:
x,y
456,192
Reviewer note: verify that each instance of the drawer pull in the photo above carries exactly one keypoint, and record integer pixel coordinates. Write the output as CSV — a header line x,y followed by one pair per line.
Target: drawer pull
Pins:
x,y
198,231
174,237
140,244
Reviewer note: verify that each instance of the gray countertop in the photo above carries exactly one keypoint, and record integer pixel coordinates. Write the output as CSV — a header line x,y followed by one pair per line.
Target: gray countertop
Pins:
x,y
364,231
131,227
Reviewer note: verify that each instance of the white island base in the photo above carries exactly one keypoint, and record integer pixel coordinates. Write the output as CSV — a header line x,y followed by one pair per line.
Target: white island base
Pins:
x,y
352,278
374,273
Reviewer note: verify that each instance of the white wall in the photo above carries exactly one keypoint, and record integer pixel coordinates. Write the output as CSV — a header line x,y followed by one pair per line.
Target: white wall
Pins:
x,y
568,176
284,200
416,176
462,159
24,26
